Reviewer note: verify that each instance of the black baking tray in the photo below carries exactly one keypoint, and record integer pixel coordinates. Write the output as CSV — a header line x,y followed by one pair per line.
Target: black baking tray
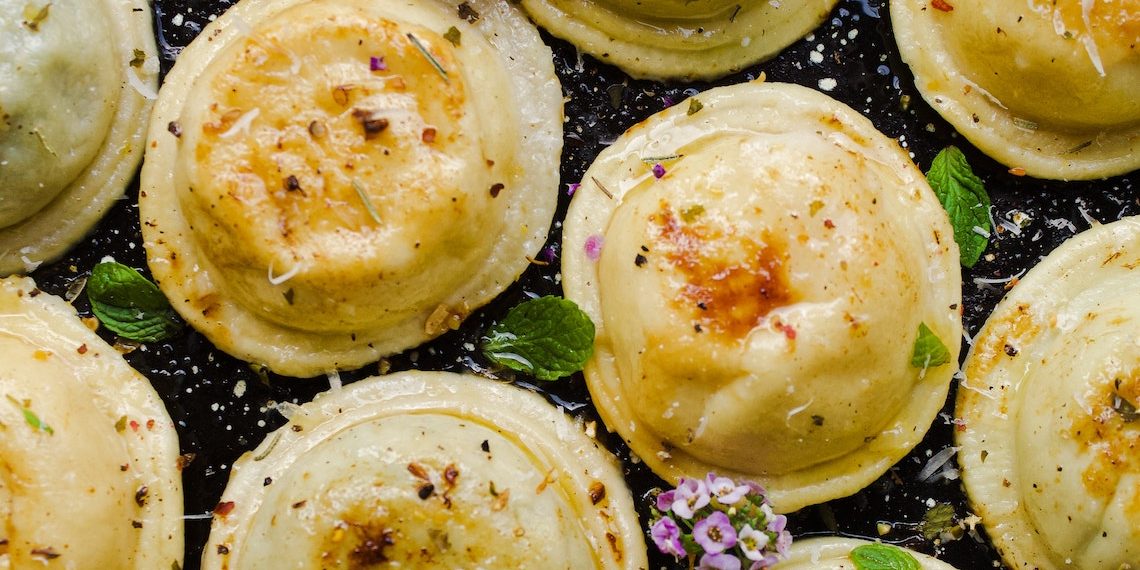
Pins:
x,y
222,406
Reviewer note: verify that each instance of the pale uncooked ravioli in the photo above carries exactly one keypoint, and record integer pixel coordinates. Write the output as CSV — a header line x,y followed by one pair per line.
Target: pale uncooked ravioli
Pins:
x,y
76,80
679,39
427,470
1051,86
331,181
834,553
1050,451
757,305
89,475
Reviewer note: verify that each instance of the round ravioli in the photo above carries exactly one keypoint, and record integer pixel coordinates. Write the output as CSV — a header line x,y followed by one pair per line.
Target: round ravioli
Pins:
x,y
1050,453
331,181
88,455
76,80
759,271
1051,86
427,470
835,553
679,39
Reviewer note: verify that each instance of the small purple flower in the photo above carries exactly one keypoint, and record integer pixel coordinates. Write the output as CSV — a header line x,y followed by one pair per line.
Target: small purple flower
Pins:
x,y
658,170
768,561
667,100
753,542
715,533
665,501
667,536
594,248
726,490
719,562
572,188
548,253
377,63
756,488
783,543
691,495
776,523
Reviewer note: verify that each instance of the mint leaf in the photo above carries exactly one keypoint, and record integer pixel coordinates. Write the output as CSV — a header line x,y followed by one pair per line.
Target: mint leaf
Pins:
x,y
129,304
883,557
548,338
965,200
928,349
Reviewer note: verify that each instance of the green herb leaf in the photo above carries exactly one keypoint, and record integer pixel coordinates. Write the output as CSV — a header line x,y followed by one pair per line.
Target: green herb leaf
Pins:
x,y
428,56
883,557
937,520
965,200
453,35
1126,409
31,418
548,338
129,304
695,106
368,205
928,349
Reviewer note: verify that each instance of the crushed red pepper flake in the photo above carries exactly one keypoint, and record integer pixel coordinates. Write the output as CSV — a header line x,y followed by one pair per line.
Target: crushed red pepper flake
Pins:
x,y
373,126
46,552
941,5
185,460
224,508
141,495
417,471
597,492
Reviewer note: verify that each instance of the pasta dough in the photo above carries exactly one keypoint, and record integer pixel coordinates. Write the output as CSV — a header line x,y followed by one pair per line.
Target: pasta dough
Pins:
x,y
75,77
329,182
679,39
834,553
427,470
758,271
1048,86
89,477
1050,451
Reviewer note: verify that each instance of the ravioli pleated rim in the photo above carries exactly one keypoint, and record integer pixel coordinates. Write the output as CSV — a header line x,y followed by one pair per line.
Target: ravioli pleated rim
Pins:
x,y
187,275
834,553
51,231
604,185
1042,150
587,478
1007,365
129,406
682,48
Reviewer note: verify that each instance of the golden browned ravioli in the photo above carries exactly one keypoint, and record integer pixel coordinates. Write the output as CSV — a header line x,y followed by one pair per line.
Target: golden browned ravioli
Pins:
x,y
758,262
679,39
1050,451
1051,86
89,473
427,470
834,553
331,181
76,80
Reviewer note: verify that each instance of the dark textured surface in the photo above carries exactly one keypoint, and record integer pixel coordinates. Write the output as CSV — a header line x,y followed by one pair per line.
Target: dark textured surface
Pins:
x,y
218,421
